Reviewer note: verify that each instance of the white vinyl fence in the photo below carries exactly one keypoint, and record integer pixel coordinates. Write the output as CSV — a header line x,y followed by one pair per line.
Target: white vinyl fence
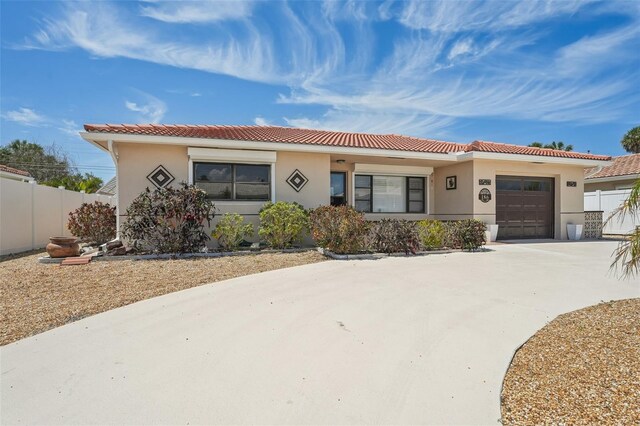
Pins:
x,y
608,201
31,213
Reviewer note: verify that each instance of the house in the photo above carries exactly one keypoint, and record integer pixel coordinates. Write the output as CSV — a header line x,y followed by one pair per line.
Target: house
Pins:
x,y
7,172
620,174
529,192
108,188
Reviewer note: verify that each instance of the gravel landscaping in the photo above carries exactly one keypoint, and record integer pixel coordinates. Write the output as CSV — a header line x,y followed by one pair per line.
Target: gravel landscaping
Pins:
x,y
36,297
582,368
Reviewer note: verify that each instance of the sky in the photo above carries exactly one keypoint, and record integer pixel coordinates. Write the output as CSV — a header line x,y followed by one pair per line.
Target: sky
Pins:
x,y
504,71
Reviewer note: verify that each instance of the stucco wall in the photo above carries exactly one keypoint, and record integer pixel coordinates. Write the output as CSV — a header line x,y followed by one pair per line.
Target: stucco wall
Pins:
x,y
136,161
608,186
568,202
453,204
315,167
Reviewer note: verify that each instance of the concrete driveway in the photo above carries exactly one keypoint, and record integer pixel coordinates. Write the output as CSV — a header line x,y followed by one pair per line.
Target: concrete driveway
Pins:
x,y
398,340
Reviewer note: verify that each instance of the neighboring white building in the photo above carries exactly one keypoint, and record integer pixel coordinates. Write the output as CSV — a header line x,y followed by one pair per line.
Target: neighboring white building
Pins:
x,y
621,174
7,172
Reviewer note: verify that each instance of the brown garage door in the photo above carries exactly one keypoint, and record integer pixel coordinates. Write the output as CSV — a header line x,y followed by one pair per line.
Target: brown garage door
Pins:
x,y
524,207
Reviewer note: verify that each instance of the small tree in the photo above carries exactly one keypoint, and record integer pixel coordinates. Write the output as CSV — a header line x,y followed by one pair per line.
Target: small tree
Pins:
x,y
231,230
95,222
631,140
627,254
282,224
169,220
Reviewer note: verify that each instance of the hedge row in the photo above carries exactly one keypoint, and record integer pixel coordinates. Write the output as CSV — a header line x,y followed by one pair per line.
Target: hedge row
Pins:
x,y
173,220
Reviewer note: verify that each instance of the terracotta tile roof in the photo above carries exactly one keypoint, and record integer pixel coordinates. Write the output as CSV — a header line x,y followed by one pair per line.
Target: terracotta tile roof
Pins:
x,y
327,138
503,148
622,166
14,171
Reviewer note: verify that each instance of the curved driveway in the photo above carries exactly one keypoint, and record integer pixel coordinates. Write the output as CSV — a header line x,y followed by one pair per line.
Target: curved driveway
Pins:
x,y
398,340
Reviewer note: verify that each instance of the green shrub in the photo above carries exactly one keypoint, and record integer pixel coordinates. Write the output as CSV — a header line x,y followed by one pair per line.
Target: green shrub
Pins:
x,y
465,234
432,233
282,224
169,220
93,223
231,230
340,229
394,236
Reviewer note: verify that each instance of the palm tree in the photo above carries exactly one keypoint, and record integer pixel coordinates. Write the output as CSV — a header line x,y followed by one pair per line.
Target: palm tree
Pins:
x,y
631,140
627,255
558,146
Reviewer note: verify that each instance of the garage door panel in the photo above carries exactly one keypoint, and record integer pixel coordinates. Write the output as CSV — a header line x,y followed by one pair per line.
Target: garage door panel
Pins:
x,y
524,207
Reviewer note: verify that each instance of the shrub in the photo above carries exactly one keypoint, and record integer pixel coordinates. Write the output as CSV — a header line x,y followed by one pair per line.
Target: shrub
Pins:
x,y
169,220
282,224
394,236
93,222
340,229
465,234
231,230
432,233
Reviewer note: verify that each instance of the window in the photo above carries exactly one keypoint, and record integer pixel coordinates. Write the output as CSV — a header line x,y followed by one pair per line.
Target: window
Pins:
x,y
246,182
389,194
338,188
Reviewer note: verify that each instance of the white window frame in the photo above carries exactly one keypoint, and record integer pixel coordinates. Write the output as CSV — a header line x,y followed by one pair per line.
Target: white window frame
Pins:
x,y
235,156
392,170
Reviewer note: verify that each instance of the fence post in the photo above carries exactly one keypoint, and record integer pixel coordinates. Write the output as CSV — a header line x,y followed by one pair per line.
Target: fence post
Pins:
x,y
61,188
33,212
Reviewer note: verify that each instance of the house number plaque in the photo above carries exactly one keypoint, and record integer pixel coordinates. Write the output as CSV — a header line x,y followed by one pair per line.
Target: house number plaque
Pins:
x,y
484,182
572,183
484,195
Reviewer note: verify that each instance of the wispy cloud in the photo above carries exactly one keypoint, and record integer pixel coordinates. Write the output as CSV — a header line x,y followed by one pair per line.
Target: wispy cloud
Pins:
x,y
444,61
186,12
69,127
149,109
261,121
26,117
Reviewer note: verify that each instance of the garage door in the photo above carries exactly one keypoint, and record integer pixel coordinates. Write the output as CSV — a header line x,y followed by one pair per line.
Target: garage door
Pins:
x,y
524,207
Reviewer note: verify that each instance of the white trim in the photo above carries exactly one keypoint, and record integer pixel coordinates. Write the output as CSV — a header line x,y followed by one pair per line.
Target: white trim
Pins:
x,y
237,156
299,147
537,159
611,178
391,170
113,151
265,146
231,155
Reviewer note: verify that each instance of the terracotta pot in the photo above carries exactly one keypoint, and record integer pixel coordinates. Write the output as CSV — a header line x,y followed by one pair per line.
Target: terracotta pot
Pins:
x,y
63,247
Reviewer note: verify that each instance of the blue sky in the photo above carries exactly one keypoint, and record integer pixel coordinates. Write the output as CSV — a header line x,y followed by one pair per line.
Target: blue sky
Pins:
x,y
505,71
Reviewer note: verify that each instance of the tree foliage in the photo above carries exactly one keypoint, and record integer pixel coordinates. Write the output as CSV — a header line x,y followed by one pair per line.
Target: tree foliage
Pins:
x,y
557,145
49,166
169,220
631,140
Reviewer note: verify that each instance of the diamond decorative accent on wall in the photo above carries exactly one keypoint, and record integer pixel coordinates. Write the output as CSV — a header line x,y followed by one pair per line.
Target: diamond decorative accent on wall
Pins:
x,y
160,177
297,180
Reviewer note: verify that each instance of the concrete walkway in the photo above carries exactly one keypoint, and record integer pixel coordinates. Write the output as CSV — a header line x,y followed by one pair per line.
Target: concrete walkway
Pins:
x,y
398,340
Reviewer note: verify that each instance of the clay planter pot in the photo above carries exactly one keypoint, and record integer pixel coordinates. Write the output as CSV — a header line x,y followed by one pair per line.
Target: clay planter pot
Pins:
x,y
63,247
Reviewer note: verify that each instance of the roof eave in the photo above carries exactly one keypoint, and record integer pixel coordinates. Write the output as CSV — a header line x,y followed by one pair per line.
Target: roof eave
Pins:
x,y
95,137
612,178
537,159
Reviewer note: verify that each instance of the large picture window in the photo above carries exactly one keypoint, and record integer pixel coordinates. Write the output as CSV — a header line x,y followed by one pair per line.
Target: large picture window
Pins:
x,y
247,182
389,194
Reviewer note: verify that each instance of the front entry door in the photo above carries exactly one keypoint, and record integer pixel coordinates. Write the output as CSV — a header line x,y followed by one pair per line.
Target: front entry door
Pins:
x,y
338,188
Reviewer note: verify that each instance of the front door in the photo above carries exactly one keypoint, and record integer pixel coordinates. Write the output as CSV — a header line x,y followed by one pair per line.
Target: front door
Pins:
x,y
338,188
